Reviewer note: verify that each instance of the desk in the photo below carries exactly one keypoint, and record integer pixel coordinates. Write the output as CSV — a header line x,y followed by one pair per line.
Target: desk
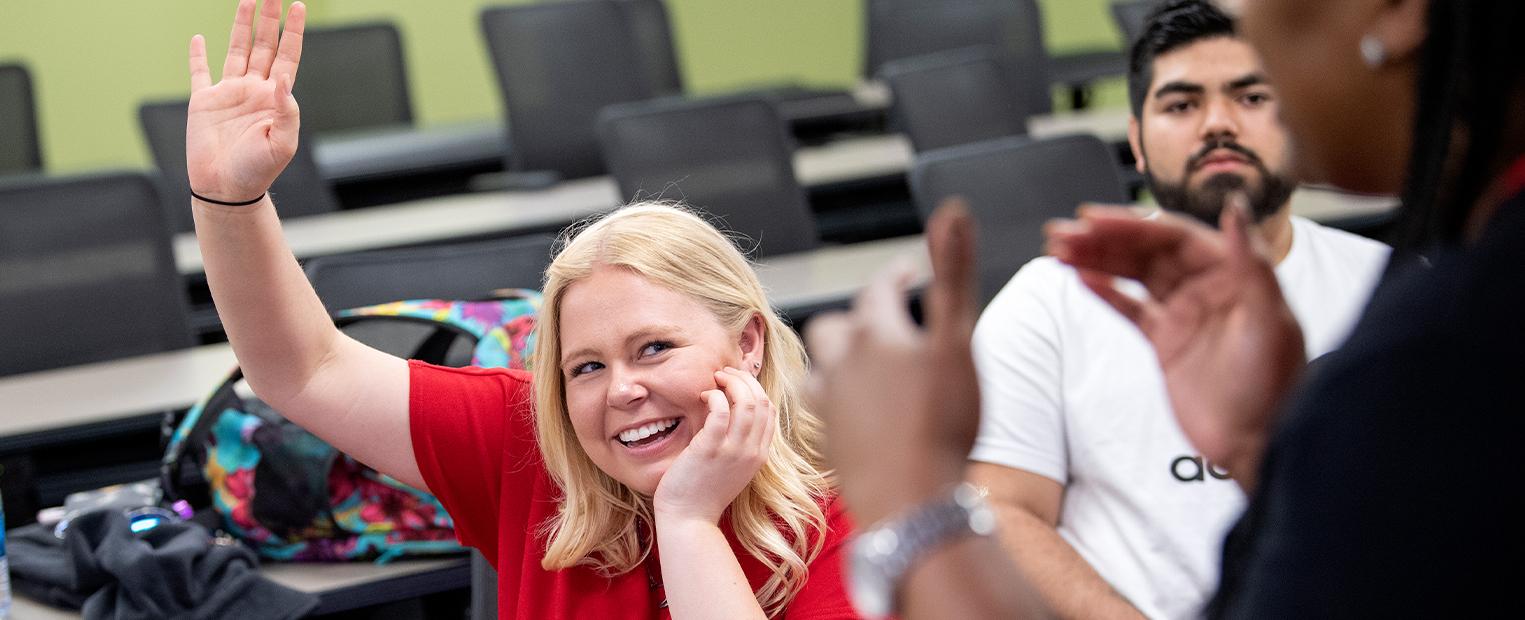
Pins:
x,y
339,586
431,220
1109,124
59,400
508,212
350,156
383,153
41,405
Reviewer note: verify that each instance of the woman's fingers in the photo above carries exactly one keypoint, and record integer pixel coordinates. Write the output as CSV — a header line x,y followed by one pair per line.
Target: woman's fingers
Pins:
x,y
743,404
289,55
267,34
237,62
287,122
201,75
766,415
717,423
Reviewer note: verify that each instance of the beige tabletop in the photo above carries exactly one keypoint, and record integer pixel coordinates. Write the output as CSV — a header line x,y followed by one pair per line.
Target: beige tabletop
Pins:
x,y
477,214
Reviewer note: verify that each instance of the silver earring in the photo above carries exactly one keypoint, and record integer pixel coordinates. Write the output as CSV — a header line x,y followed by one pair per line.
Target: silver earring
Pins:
x,y
1373,51
756,367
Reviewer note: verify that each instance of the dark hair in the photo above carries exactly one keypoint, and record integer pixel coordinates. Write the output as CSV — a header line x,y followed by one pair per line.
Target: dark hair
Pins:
x,y
1171,25
1470,76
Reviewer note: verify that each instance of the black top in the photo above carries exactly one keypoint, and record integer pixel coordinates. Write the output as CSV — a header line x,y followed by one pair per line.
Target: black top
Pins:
x,y
1386,489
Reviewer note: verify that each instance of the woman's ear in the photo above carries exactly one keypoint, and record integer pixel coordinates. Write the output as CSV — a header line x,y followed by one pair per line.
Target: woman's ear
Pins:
x,y
753,342
1400,27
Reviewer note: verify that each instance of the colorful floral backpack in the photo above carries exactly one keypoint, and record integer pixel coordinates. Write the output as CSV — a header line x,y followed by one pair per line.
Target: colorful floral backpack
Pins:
x,y
291,496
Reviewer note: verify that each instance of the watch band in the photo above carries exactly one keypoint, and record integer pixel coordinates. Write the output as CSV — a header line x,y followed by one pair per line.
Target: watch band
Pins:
x,y
884,554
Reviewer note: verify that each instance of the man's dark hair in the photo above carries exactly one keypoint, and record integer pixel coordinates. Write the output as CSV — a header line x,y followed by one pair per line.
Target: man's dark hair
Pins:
x,y
1466,122
1171,25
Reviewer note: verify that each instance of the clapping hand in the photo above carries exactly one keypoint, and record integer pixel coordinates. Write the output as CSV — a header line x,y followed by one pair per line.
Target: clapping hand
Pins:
x,y
242,131
1229,346
901,403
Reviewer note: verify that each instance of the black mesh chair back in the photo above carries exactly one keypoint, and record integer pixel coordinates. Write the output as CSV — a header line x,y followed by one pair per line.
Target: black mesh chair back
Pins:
x,y
1130,16
558,64
456,271
300,190
484,588
353,77
730,157
952,98
20,150
899,29
1013,186
87,273
652,32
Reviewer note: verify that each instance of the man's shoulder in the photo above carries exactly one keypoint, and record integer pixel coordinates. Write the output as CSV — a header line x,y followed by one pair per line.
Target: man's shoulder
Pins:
x,y
1338,245
1043,277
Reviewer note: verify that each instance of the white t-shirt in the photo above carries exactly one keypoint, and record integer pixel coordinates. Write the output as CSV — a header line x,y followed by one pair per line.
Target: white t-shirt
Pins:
x,y
1072,391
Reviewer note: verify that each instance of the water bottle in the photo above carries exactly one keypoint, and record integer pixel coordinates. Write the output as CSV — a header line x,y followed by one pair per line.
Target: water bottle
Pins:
x,y
5,570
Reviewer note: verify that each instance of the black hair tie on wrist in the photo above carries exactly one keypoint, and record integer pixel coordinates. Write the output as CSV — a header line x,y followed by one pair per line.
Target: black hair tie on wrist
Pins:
x,y
225,203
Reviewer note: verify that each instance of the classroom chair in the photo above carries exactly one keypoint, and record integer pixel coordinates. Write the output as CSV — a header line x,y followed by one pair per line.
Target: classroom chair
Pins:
x,y
963,96
729,156
455,271
299,191
1013,186
353,77
558,64
20,149
651,32
87,272
1130,16
897,29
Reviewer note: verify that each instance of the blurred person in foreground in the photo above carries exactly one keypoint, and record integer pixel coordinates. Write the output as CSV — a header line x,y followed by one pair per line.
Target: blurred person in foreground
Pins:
x,y
1100,497
1378,483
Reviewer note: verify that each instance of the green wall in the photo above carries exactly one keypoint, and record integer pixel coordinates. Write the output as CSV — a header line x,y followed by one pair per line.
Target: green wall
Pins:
x,y
93,62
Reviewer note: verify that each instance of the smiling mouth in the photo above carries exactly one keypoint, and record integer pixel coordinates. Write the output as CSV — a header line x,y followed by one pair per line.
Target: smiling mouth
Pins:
x,y
649,434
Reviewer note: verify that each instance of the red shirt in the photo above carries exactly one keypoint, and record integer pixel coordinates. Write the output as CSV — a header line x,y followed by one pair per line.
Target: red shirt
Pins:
x,y
473,436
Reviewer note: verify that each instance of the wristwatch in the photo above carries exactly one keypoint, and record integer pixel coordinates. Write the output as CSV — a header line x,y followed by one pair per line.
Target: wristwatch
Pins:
x,y
882,555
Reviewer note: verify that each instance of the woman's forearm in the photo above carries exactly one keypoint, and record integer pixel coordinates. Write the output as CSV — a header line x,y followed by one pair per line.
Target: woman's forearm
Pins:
x,y
700,573
275,322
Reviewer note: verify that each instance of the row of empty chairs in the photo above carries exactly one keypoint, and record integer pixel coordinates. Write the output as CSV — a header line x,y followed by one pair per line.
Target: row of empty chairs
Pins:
x,y
87,271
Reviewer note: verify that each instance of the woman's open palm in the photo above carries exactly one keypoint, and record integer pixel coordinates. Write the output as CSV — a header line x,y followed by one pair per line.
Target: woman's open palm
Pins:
x,y
242,131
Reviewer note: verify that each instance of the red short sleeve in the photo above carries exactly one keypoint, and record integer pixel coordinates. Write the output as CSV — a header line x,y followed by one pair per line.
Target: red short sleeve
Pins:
x,y
472,431
825,593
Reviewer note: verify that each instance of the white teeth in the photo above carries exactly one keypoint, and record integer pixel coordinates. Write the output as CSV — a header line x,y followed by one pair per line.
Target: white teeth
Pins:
x,y
639,433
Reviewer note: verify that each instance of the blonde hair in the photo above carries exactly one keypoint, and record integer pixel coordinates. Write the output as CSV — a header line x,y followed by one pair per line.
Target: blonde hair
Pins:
x,y
778,517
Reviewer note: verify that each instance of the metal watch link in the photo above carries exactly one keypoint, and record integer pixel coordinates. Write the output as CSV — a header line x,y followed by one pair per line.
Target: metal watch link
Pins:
x,y
882,555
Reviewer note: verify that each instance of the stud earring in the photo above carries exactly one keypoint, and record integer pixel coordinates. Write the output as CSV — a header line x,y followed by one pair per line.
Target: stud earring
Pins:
x,y
1373,51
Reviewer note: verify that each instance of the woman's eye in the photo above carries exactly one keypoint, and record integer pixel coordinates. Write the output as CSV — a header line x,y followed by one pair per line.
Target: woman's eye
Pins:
x,y
655,348
585,367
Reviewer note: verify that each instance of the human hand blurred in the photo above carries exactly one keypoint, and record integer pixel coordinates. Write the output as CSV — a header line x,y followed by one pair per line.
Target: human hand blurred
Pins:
x,y
723,456
1229,346
241,132
901,403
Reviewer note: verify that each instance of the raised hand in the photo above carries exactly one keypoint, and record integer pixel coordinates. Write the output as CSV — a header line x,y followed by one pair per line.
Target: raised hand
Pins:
x,y
242,131
723,456
901,404
1229,346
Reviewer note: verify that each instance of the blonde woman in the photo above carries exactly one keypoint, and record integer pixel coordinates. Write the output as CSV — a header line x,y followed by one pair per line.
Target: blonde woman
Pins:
x,y
664,412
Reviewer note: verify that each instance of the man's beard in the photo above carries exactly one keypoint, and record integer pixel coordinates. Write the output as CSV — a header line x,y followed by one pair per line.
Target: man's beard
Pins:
x,y
1206,203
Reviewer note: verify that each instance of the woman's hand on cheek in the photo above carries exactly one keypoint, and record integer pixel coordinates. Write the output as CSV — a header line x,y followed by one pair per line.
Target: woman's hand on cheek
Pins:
x,y
723,456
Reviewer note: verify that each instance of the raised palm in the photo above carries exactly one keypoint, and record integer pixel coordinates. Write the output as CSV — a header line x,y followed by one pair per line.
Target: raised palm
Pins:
x,y
242,131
